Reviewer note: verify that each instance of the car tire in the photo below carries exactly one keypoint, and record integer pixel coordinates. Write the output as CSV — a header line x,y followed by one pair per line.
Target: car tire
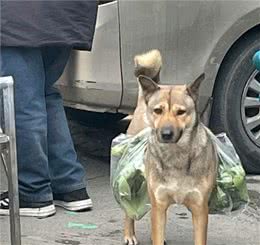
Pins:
x,y
226,116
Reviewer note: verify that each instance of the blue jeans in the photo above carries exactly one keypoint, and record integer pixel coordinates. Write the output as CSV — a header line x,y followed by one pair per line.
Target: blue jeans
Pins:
x,y
47,161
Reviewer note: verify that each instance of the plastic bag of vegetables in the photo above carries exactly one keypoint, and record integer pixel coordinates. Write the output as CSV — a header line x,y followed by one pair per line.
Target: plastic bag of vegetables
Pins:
x,y
129,184
230,192
128,173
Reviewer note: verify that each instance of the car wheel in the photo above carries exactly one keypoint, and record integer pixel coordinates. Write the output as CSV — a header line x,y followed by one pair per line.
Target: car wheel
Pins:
x,y
236,104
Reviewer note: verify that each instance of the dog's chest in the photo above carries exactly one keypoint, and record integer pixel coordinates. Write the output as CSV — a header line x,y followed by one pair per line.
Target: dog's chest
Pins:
x,y
179,190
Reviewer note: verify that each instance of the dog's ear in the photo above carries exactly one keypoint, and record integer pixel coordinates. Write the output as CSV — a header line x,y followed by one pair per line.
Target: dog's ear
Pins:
x,y
149,87
193,88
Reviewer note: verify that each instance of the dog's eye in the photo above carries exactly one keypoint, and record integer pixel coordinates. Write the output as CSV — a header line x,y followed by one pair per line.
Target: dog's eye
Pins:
x,y
158,111
181,112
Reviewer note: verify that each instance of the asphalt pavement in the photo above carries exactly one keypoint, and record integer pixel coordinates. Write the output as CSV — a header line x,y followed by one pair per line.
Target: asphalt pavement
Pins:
x,y
103,225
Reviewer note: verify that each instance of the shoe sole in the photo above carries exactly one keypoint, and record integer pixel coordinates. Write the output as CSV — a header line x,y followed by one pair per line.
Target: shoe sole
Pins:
x,y
33,212
76,205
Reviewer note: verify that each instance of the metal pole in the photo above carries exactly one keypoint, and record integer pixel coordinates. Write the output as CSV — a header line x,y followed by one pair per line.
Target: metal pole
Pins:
x,y
11,160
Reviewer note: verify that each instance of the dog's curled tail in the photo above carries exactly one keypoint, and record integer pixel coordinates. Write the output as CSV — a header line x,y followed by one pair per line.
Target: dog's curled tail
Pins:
x,y
149,64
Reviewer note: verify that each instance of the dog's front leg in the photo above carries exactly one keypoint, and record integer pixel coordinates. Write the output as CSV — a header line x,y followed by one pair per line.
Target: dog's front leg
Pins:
x,y
158,223
129,231
200,223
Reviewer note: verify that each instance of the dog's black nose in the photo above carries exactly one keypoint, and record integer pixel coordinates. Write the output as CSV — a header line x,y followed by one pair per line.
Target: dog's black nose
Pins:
x,y
167,133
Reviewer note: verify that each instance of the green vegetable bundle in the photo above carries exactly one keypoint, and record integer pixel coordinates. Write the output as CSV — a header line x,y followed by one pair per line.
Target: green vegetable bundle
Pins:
x,y
231,191
128,174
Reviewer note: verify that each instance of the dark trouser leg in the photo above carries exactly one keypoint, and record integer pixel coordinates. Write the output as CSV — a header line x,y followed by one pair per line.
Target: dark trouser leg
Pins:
x,y
26,67
67,174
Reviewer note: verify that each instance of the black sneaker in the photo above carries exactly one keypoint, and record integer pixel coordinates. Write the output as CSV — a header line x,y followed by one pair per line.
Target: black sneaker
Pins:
x,y
31,209
74,201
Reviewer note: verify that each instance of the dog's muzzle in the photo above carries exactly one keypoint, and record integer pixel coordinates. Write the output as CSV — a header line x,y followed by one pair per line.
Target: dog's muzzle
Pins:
x,y
169,135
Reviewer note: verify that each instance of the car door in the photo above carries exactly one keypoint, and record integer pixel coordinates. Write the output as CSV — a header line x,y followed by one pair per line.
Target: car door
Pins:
x,y
92,80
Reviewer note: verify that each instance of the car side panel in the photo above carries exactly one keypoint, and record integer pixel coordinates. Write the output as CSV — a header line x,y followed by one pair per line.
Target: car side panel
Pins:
x,y
191,35
92,80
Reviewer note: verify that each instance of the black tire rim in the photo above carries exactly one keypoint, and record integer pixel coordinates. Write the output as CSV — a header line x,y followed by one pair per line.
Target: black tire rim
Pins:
x,y
250,108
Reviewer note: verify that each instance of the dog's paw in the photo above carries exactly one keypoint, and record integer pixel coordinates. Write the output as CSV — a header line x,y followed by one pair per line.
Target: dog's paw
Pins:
x,y
130,240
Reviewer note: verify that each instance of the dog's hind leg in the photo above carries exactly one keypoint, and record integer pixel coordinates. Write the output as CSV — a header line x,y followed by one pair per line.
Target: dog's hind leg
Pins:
x,y
200,223
129,232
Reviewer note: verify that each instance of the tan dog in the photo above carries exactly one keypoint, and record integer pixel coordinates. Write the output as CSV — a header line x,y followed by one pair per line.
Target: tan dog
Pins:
x,y
180,161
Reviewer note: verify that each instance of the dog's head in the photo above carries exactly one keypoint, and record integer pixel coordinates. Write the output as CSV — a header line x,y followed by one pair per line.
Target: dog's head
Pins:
x,y
171,110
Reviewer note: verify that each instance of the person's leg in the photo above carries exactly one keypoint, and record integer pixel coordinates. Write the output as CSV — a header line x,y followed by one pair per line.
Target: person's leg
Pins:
x,y
26,67
67,174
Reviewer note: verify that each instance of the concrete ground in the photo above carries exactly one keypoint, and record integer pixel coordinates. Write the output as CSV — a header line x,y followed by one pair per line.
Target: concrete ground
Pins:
x,y
103,225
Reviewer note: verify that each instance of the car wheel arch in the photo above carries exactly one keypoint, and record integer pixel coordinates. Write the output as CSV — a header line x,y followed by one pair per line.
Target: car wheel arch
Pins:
x,y
246,25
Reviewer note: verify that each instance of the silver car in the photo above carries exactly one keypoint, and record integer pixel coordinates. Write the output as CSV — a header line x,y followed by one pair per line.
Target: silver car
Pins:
x,y
215,37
